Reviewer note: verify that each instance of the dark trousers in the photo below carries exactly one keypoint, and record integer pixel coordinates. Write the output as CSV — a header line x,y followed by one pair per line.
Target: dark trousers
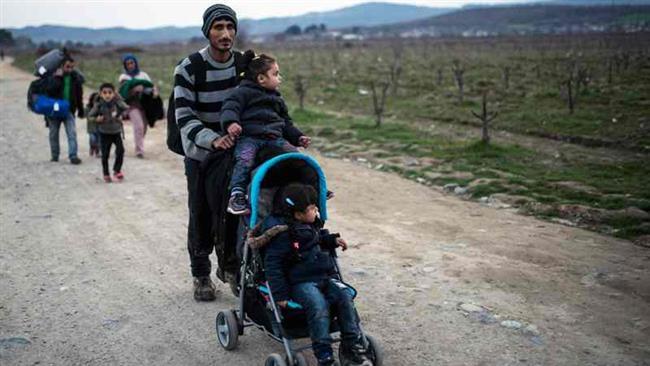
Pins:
x,y
106,141
316,298
199,262
94,141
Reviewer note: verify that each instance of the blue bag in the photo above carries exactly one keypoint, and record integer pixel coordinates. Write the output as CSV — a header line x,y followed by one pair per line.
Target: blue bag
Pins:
x,y
50,107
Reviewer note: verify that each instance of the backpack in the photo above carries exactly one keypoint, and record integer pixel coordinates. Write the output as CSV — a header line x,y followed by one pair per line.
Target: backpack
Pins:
x,y
174,141
36,88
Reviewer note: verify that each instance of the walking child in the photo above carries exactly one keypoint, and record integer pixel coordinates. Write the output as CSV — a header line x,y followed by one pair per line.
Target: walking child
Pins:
x,y
91,127
297,268
256,114
107,113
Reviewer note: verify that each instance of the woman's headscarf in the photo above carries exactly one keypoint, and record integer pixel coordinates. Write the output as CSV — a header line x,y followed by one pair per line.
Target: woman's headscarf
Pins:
x,y
127,57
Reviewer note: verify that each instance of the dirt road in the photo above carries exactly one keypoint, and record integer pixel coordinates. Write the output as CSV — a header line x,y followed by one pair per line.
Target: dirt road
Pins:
x,y
98,274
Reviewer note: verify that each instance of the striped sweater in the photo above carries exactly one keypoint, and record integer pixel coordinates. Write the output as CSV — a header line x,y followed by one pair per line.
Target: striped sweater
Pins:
x,y
198,106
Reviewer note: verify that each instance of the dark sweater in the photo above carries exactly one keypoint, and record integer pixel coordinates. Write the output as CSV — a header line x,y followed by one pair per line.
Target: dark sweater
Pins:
x,y
286,266
260,112
54,89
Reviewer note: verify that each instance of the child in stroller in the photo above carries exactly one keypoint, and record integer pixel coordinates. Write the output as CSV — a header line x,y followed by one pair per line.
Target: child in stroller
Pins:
x,y
305,295
297,267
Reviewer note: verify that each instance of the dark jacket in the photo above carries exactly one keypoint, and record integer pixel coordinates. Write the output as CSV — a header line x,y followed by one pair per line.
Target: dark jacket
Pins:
x,y
54,89
286,265
260,112
112,112
215,229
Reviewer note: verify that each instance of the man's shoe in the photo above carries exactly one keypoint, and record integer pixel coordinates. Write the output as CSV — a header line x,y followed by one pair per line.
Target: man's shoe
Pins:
x,y
119,176
55,159
238,205
75,161
204,289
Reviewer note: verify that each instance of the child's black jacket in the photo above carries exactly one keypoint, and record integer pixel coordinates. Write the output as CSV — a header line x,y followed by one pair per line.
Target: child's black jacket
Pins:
x,y
286,265
260,112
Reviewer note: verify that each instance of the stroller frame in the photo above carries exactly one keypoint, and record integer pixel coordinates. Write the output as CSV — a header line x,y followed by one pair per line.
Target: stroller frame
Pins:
x,y
231,324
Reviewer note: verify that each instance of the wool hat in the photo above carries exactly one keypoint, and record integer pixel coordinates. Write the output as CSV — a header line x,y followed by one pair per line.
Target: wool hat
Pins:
x,y
215,12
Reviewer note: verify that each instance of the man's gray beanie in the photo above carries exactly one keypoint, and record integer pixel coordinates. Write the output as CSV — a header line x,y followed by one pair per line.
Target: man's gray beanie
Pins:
x,y
215,12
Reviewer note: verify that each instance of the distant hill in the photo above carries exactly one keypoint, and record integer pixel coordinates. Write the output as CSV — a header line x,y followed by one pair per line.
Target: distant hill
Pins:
x,y
118,35
375,18
367,14
524,19
598,2
563,2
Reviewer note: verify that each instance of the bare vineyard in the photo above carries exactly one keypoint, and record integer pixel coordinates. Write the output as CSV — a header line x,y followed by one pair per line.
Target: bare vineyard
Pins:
x,y
560,123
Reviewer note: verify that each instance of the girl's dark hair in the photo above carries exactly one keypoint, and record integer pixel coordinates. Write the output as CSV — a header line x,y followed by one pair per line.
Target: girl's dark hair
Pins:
x,y
256,64
91,100
107,86
296,197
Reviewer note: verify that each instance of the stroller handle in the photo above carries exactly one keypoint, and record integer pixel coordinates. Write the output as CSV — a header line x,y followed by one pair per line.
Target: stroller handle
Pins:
x,y
256,183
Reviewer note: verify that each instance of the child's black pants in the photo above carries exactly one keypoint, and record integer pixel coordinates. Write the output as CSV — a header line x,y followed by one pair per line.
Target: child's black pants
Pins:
x,y
106,141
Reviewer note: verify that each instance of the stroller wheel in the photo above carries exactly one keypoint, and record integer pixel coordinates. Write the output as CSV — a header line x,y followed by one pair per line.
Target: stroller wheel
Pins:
x,y
375,351
227,329
299,359
275,359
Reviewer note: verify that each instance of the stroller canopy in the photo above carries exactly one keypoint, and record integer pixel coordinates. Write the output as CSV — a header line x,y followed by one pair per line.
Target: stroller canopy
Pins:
x,y
258,178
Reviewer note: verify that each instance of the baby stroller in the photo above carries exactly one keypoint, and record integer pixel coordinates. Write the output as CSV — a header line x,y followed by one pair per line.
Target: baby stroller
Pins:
x,y
256,305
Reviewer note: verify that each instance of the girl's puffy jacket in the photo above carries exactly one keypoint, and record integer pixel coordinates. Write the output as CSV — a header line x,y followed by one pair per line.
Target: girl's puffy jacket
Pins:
x,y
260,113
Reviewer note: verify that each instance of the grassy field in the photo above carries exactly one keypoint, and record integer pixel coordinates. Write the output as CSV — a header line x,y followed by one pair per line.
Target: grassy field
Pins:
x,y
532,103
429,136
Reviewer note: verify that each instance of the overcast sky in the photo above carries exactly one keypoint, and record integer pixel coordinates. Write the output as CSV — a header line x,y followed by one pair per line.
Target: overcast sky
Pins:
x,y
155,13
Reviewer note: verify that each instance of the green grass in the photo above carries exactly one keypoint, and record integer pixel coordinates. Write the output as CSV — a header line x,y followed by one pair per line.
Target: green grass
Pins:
x,y
629,178
617,186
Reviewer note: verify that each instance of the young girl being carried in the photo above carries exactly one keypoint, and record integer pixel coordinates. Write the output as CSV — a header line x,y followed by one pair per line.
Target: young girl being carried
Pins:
x,y
255,113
